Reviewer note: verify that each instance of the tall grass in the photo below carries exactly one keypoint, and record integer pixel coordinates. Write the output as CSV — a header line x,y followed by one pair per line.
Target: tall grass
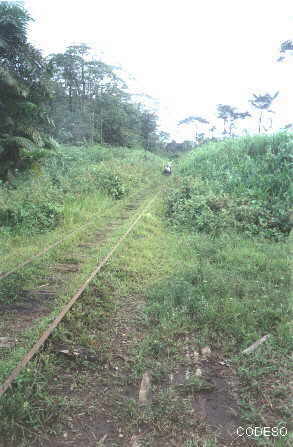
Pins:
x,y
36,201
229,289
242,183
261,165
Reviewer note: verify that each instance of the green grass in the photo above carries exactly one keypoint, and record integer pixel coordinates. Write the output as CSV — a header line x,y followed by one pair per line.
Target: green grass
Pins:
x,y
242,184
194,287
40,271
96,208
233,286
175,287
38,201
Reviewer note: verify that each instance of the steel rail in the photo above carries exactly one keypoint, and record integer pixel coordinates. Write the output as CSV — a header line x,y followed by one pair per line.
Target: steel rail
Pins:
x,y
24,361
40,253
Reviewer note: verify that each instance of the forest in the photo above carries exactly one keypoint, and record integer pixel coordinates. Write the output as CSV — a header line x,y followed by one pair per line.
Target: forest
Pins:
x,y
66,98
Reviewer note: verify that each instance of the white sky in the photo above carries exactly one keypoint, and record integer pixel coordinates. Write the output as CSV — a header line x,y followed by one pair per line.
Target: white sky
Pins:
x,y
190,55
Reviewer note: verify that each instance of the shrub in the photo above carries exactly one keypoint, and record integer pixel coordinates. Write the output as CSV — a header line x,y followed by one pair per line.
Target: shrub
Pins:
x,y
37,207
241,183
36,217
33,200
114,180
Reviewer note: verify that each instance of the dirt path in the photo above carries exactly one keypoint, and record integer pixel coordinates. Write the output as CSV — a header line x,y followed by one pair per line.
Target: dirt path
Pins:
x,y
109,413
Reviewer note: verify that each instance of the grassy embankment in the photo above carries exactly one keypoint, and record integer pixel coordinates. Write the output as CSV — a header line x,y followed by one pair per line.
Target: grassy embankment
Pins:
x,y
208,265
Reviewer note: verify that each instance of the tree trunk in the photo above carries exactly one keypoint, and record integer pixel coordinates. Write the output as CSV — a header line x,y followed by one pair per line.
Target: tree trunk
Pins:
x,y
70,98
260,122
83,88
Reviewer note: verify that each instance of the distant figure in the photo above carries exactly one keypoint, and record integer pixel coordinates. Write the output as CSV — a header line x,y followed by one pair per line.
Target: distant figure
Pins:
x,y
167,170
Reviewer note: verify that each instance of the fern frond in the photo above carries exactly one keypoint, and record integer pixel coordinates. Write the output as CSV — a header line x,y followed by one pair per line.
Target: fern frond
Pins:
x,y
34,135
18,143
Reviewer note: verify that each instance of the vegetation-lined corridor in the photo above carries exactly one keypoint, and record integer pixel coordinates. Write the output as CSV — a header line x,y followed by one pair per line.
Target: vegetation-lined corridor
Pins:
x,y
184,337
197,281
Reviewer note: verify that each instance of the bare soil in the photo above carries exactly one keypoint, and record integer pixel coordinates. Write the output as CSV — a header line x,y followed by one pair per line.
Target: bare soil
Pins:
x,y
104,394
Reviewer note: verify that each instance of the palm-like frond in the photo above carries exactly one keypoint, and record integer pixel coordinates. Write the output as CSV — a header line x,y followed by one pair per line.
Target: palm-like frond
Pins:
x,y
14,20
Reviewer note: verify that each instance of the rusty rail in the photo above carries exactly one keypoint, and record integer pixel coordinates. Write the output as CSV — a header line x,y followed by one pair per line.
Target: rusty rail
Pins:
x,y
40,253
24,361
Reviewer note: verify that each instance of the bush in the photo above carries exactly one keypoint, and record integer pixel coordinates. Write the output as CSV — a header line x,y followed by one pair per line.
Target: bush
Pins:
x,y
33,201
242,184
33,216
114,180
36,207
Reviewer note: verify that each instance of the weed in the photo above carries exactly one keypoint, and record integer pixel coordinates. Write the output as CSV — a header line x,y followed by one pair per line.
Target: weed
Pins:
x,y
37,203
242,184
11,288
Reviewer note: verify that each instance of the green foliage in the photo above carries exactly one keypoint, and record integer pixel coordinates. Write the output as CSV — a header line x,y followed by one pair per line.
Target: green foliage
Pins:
x,y
11,288
35,207
50,143
43,215
71,96
229,115
241,184
90,103
263,103
18,153
113,180
192,205
23,91
232,288
29,400
110,181
34,202
13,26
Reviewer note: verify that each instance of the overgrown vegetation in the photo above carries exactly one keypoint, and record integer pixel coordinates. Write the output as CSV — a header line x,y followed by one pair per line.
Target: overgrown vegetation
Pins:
x,y
241,184
232,288
36,202
70,97
224,292
208,266
24,121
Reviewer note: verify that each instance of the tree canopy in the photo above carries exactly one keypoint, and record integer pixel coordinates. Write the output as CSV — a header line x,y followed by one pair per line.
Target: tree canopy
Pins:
x,y
23,91
70,96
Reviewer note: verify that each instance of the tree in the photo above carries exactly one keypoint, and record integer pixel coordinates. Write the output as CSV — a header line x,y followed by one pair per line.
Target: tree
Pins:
x,y
263,103
230,115
148,129
286,47
173,147
225,112
211,132
162,139
194,120
77,98
23,90
13,27
91,103
288,127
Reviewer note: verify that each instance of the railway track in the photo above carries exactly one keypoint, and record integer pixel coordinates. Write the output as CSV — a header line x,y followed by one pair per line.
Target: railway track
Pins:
x,y
43,252
66,308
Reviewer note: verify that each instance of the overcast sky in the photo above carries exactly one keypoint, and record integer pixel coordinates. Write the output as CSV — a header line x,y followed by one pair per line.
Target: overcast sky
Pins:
x,y
190,55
